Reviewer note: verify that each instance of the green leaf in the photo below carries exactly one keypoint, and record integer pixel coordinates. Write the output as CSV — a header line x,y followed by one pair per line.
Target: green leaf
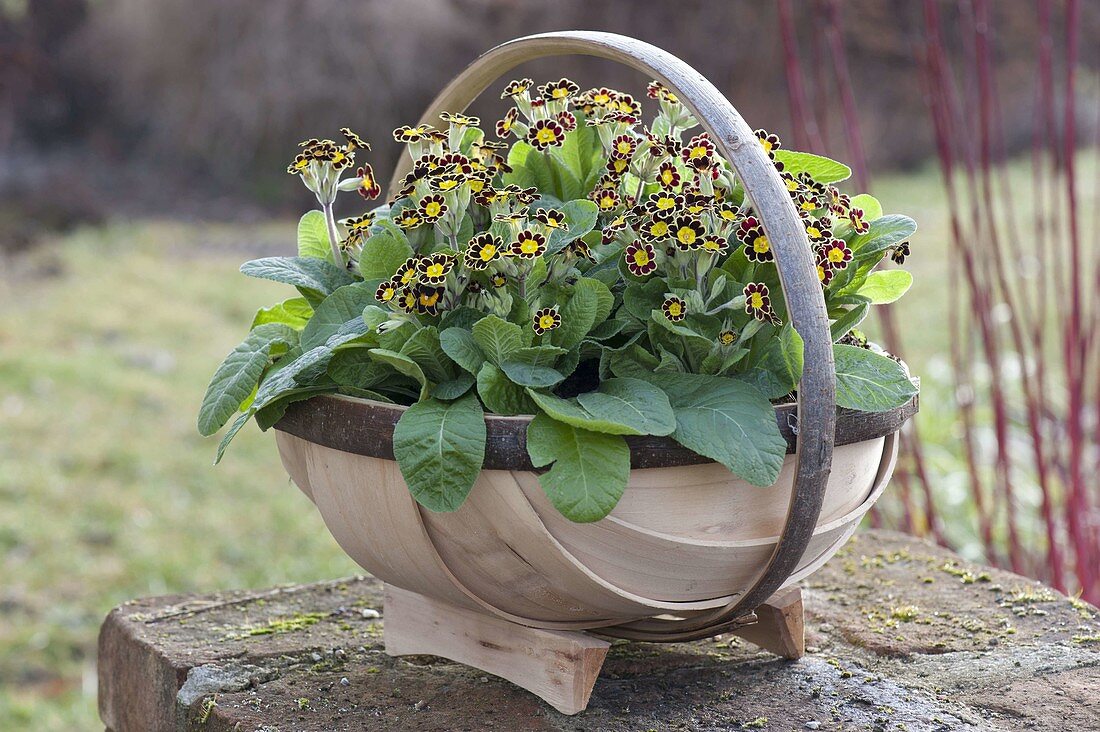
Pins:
x,y
617,419
440,447
382,254
498,338
579,314
820,168
582,153
870,382
340,314
581,216
726,420
462,348
294,312
526,374
779,367
850,319
631,402
537,355
870,206
356,368
500,395
239,374
404,365
313,236
316,278
881,234
886,286
589,472
423,347
454,388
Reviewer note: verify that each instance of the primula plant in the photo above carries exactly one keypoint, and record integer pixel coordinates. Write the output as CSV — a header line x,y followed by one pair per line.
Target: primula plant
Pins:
x,y
606,276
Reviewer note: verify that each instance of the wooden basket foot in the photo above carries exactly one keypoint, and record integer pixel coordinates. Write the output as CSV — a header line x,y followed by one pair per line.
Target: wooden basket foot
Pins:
x,y
780,627
560,667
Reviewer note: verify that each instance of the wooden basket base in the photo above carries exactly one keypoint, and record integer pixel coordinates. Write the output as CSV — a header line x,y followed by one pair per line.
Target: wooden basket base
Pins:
x,y
560,667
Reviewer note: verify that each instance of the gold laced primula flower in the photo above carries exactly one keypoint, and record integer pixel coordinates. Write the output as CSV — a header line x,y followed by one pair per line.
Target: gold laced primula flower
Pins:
x,y
551,218
409,219
641,258
545,319
817,229
605,197
406,273
751,234
758,304
355,142
388,291
406,299
900,252
498,280
546,133
825,270
580,249
727,337
667,175
674,309
617,167
688,232
558,90
516,87
858,222
447,182
432,207
657,90
769,142
433,268
699,152
368,185
482,251
359,223
728,212
461,120
656,229
567,120
663,203
412,134
528,245
624,146
838,254
428,299
696,203
612,228
714,244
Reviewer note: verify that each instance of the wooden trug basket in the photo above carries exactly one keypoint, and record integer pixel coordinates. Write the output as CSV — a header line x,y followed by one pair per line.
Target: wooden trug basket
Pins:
x,y
505,583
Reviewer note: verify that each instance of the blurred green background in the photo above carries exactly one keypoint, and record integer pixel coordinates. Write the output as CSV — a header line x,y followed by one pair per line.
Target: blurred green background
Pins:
x,y
142,146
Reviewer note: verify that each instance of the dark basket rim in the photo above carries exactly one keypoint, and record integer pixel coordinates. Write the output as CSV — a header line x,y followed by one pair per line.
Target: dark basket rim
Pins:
x,y
365,427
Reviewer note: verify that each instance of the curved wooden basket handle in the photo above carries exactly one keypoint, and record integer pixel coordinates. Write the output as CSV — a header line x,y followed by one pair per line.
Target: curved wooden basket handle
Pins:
x,y
794,260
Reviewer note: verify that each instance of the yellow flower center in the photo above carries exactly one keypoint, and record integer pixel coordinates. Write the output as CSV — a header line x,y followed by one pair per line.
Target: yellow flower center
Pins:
x,y
667,176
808,205
434,270
766,145
433,208
641,257
836,254
623,147
686,235
725,337
506,124
697,152
675,309
664,203
620,164
761,244
821,272
546,135
407,277
659,229
607,202
728,214
448,185
711,245
388,293
487,252
528,246
428,299
756,301
814,232
546,322
602,99
559,93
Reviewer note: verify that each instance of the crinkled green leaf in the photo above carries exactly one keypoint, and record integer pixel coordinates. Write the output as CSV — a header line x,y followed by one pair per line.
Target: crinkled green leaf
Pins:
x,y
463,349
339,313
316,278
870,382
726,420
885,286
313,236
498,338
423,347
526,374
454,388
869,205
239,374
578,315
633,403
779,366
440,447
820,168
881,234
589,471
294,312
382,254
500,395
405,365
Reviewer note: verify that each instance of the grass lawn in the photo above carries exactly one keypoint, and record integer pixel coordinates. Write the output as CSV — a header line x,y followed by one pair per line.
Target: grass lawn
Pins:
x,y
107,492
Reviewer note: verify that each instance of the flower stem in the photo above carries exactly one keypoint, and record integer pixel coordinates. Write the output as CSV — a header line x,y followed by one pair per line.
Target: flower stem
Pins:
x,y
333,237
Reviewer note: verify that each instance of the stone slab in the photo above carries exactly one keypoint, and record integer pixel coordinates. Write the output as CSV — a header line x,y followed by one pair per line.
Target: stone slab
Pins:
x,y
903,635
